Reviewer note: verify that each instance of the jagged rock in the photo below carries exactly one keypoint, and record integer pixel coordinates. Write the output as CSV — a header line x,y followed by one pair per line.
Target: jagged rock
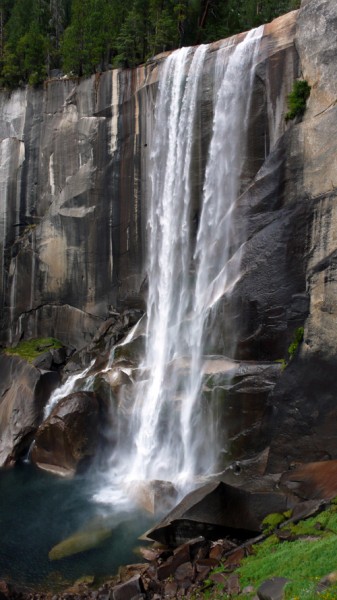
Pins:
x,y
184,575
235,558
24,391
181,556
69,437
272,589
128,590
170,589
233,585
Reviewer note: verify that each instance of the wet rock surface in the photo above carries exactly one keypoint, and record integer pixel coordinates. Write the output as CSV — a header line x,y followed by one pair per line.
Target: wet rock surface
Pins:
x,y
69,437
24,391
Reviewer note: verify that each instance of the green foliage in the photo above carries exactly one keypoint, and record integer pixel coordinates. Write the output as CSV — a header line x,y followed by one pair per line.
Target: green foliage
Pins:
x,y
86,36
298,338
292,349
31,349
297,99
32,35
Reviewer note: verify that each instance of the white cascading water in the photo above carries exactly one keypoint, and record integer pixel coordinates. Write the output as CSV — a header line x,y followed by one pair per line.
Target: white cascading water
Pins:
x,y
68,387
168,434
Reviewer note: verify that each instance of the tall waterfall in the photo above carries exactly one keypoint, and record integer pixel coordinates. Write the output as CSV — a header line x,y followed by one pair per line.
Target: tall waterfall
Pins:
x,y
170,433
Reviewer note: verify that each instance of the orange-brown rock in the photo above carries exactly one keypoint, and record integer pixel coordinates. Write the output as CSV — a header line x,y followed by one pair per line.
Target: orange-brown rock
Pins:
x,y
313,480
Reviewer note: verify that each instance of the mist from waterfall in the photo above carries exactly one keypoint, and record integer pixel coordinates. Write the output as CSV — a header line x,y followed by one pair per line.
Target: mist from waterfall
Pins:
x,y
169,430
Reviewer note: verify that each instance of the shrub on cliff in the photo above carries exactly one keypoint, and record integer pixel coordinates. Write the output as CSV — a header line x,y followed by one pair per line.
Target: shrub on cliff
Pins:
x,y
297,99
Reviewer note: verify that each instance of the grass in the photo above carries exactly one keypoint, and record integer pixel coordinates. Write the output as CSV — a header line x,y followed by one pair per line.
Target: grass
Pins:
x,y
304,561
31,349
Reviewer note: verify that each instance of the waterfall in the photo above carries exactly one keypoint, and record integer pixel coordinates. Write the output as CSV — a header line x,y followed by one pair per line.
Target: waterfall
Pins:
x,y
169,432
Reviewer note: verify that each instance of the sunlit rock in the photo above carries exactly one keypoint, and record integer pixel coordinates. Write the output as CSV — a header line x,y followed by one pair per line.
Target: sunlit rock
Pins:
x,y
156,497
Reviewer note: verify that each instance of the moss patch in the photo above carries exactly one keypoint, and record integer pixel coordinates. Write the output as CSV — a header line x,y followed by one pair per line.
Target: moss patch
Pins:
x,y
31,349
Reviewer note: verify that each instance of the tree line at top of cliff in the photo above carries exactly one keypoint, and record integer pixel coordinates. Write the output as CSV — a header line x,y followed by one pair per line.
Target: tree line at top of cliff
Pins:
x,y
82,37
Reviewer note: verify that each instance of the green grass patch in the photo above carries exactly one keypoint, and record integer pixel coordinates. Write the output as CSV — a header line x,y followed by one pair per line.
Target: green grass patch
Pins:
x,y
304,561
31,349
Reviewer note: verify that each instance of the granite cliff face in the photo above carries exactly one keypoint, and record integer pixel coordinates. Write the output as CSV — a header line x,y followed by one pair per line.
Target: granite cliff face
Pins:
x,y
74,184
74,188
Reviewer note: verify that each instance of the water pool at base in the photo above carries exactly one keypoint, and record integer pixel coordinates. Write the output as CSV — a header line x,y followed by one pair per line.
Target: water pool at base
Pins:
x,y
38,511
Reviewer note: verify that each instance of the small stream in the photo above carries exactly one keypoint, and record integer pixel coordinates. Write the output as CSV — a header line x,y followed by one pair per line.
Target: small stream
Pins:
x,y
38,510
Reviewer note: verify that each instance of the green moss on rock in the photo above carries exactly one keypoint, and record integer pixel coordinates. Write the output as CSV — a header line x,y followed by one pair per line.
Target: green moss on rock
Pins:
x,y
31,349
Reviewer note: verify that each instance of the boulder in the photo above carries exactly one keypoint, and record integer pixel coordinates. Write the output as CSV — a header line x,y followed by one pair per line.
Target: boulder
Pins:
x,y
217,510
69,437
272,589
24,391
156,497
128,590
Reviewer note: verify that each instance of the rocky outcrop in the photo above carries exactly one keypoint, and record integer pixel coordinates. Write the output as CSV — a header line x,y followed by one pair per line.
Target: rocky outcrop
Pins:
x,y
69,437
24,391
